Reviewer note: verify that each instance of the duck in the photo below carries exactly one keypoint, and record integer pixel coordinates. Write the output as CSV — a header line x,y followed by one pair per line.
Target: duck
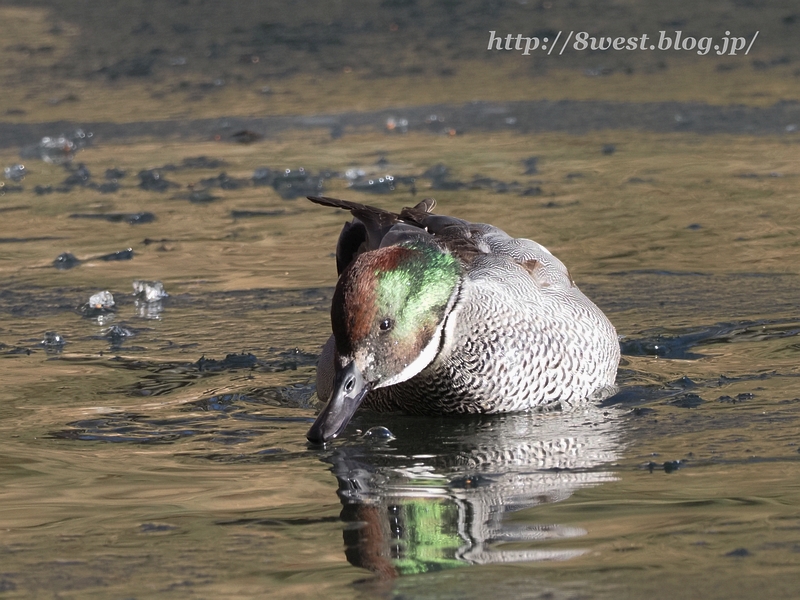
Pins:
x,y
436,315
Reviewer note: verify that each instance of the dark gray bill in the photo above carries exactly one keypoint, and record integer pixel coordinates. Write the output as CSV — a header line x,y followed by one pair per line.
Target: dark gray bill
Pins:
x,y
349,389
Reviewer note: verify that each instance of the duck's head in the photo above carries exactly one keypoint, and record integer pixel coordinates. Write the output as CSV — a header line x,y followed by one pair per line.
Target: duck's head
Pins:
x,y
388,314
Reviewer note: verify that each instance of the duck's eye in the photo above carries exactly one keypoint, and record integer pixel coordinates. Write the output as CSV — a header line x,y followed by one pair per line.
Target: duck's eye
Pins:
x,y
386,324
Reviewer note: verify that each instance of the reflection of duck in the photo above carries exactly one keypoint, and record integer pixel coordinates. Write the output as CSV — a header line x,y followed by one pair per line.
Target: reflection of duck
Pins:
x,y
435,497
436,315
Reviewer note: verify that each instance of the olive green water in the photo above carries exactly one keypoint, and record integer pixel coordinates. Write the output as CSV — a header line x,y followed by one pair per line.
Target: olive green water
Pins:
x,y
152,466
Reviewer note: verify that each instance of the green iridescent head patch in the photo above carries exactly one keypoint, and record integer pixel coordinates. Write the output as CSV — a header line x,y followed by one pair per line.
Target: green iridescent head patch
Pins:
x,y
417,290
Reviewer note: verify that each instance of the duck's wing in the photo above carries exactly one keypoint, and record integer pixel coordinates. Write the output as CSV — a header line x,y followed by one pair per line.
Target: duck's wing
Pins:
x,y
534,259
374,227
363,233
459,237
479,244
375,220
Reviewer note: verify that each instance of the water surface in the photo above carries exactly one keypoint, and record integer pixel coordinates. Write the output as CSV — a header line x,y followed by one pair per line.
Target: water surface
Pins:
x,y
153,465
159,451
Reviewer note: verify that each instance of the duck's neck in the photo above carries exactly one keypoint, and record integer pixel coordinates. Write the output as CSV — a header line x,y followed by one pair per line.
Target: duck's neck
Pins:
x,y
432,348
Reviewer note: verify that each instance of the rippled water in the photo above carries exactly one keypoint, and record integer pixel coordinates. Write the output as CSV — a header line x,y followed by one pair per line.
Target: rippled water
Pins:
x,y
158,450
172,462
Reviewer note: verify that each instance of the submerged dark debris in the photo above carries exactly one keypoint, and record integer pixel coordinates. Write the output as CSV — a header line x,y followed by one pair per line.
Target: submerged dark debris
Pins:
x,y
53,340
6,188
289,183
153,181
79,175
249,214
230,362
126,254
117,334
297,183
224,182
687,401
678,345
202,162
65,261
139,218
669,466
115,174
201,196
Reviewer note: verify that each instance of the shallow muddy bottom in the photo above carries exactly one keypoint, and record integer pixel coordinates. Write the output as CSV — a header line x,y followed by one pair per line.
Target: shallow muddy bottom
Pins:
x,y
153,466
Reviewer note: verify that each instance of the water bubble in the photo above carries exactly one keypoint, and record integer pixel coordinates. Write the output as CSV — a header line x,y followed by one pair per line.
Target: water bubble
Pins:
x,y
59,149
102,300
379,432
149,291
263,176
53,339
116,334
15,173
398,125
148,299
100,305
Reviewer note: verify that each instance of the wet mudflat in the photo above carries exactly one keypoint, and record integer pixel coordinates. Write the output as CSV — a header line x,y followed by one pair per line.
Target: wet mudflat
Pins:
x,y
165,288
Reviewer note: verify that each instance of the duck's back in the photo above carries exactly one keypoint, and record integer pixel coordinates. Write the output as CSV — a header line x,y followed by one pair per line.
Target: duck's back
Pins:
x,y
521,335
